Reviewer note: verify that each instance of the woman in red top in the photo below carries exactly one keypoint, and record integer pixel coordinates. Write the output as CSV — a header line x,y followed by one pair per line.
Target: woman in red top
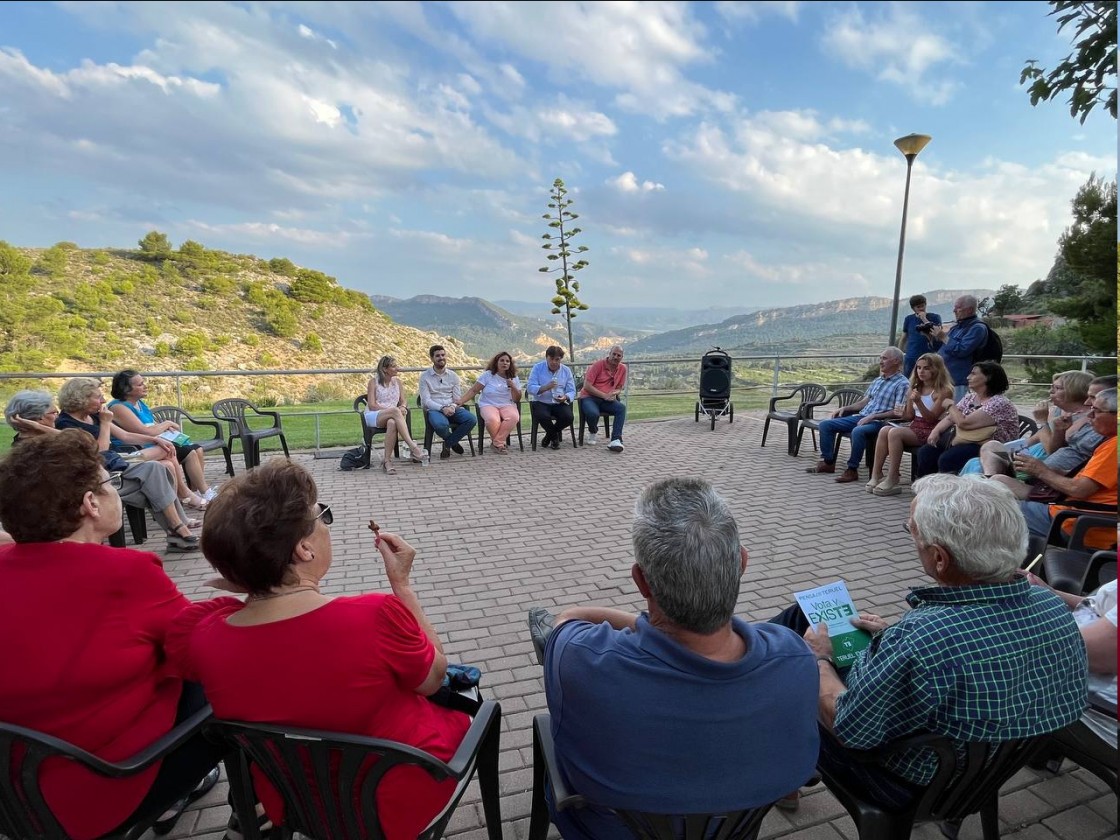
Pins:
x,y
85,625
291,655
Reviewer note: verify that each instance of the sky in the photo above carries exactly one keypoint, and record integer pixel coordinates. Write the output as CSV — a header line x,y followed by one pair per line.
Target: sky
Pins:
x,y
718,154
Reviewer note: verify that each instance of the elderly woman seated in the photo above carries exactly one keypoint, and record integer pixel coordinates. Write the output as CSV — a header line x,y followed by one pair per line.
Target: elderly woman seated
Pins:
x,y
290,654
93,673
143,483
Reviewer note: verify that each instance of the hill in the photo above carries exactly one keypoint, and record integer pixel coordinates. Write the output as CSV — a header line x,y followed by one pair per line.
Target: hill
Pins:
x,y
70,309
486,328
829,327
641,319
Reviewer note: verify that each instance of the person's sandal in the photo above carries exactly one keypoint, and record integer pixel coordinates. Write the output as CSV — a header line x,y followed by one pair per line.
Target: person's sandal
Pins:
x,y
388,468
178,542
164,824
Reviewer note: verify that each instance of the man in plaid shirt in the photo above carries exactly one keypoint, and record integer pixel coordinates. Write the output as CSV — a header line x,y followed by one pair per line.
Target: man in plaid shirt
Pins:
x,y
981,656
862,420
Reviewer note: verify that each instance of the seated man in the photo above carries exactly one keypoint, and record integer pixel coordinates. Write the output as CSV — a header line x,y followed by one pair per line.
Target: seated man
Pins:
x,y
602,386
981,656
683,708
862,420
1094,484
439,391
553,389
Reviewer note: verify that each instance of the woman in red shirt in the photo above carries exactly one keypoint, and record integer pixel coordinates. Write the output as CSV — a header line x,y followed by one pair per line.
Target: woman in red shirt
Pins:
x,y
86,625
290,655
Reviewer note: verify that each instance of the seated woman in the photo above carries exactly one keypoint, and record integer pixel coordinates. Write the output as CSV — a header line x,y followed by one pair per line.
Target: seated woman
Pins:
x,y
930,386
385,409
130,412
1065,436
360,664
143,483
499,391
982,414
95,675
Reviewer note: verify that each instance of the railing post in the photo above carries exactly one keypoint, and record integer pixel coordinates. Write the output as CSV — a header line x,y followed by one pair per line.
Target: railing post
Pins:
x,y
777,373
317,441
179,392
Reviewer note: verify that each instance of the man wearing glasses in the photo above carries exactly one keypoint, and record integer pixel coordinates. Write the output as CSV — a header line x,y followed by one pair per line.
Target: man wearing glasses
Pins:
x,y
440,389
1094,484
960,343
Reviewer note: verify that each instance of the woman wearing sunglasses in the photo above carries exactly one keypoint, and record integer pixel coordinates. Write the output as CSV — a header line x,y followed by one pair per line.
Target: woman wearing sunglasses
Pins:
x,y
90,668
362,664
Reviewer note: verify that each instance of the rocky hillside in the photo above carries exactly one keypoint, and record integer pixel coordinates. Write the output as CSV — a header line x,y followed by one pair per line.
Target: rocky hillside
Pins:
x,y
69,309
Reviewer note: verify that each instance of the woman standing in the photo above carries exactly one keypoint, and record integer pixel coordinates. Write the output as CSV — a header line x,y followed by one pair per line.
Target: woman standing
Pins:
x,y
982,414
930,386
499,392
386,408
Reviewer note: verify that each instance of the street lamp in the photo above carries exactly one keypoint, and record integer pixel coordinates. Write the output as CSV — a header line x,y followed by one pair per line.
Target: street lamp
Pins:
x,y
909,145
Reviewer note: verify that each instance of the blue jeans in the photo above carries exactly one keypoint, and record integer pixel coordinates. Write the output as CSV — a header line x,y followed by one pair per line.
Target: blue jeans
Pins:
x,y
861,437
1037,515
463,420
592,407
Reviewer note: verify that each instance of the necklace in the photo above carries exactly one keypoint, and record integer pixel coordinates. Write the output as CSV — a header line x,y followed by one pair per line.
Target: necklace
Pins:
x,y
269,596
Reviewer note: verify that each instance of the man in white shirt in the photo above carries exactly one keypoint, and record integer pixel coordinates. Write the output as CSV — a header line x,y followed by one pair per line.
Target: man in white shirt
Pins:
x,y
439,390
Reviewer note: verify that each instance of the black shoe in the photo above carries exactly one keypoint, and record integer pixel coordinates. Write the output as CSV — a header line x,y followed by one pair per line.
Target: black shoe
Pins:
x,y
165,824
546,442
555,443
457,448
444,453
541,622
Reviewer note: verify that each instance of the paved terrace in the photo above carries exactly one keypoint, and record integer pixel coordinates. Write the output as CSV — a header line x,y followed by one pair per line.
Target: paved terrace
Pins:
x,y
498,534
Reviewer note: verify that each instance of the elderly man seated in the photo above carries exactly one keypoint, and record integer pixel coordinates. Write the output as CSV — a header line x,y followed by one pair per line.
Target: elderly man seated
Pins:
x,y
981,656
683,708
1093,486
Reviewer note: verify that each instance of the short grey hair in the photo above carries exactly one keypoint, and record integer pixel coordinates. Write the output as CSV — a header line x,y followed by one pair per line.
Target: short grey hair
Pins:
x,y
686,543
968,301
75,393
894,353
30,405
1108,398
977,521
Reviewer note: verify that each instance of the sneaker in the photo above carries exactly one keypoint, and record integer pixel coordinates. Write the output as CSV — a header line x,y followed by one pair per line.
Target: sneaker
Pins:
x,y
457,448
615,445
444,453
592,439
541,622
210,494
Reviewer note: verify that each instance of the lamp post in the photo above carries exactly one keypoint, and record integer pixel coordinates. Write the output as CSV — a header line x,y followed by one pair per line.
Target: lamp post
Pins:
x,y
909,145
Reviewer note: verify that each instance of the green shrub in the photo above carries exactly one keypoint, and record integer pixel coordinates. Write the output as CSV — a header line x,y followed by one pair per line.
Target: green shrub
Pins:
x,y
190,345
162,349
312,344
282,265
152,327
219,285
251,340
311,286
195,363
99,258
155,246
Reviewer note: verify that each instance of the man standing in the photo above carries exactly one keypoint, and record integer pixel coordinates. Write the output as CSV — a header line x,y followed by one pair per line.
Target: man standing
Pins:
x,y
439,391
683,708
961,342
862,420
981,656
917,333
602,386
553,389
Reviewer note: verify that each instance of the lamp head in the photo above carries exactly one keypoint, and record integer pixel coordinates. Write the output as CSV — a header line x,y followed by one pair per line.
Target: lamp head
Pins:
x,y
911,144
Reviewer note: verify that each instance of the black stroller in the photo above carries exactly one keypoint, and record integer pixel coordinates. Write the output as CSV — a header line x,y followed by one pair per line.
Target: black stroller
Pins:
x,y
715,387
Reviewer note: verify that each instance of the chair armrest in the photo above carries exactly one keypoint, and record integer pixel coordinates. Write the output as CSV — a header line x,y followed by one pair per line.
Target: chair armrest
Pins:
x,y
488,716
1087,517
561,796
275,415
213,424
780,398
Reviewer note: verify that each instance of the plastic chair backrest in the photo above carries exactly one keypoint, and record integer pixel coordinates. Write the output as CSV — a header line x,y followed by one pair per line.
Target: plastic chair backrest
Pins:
x,y
232,410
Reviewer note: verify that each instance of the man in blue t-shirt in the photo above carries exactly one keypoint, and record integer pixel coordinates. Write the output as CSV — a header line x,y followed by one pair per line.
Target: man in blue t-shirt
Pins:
x,y
683,708
917,329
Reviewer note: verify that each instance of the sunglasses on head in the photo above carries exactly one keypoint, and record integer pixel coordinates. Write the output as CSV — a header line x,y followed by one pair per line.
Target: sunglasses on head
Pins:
x,y
325,514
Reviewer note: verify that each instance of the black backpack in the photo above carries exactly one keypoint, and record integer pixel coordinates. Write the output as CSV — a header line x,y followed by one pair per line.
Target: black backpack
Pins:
x,y
355,459
992,348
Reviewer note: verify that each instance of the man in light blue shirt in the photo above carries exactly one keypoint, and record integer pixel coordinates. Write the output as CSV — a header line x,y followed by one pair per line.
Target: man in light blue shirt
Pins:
x,y
551,391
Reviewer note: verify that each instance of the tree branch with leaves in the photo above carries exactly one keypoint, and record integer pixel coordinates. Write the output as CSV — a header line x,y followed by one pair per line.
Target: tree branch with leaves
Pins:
x,y
558,243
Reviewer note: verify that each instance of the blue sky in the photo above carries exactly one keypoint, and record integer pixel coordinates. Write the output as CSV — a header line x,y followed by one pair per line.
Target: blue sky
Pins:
x,y
717,153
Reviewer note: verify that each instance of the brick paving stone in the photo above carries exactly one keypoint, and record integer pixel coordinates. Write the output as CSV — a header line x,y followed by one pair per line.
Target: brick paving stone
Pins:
x,y
477,574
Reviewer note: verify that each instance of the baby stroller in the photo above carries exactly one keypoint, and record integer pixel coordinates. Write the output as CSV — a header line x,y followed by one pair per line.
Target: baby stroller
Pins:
x,y
715,387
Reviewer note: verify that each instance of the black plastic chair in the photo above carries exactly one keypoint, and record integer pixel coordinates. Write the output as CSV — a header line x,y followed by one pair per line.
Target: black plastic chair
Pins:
x,y
842,397
1082,745
605,419
329,780
535,425
808,394
236,412
178,416
1074,567
481,427
370,432
137,520
430,432
734,825
960,788
23,811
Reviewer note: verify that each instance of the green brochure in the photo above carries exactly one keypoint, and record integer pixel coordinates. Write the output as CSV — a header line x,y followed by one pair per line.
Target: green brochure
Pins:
x,y
832,605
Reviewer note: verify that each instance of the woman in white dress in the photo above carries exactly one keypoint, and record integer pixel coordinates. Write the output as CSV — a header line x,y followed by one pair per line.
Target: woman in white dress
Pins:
x,y
385,409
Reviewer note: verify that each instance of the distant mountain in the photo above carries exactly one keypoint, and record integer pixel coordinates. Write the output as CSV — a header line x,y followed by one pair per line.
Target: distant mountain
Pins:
x,y
832,326
486,328
644,319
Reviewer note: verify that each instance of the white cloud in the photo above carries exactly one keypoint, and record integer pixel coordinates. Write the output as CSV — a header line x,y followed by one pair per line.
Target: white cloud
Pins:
x,y
627,182
272,232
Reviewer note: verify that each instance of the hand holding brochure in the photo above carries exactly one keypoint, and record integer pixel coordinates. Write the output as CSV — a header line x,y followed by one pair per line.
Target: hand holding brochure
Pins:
x,y
177,438
832,605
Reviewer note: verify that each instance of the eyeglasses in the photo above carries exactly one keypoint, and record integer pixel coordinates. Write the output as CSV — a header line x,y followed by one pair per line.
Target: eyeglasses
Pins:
x,y
1094,410
906,527
325,514
115,480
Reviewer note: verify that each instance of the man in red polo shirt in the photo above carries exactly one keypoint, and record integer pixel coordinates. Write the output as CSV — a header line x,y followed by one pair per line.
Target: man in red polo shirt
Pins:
x,y
602,386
